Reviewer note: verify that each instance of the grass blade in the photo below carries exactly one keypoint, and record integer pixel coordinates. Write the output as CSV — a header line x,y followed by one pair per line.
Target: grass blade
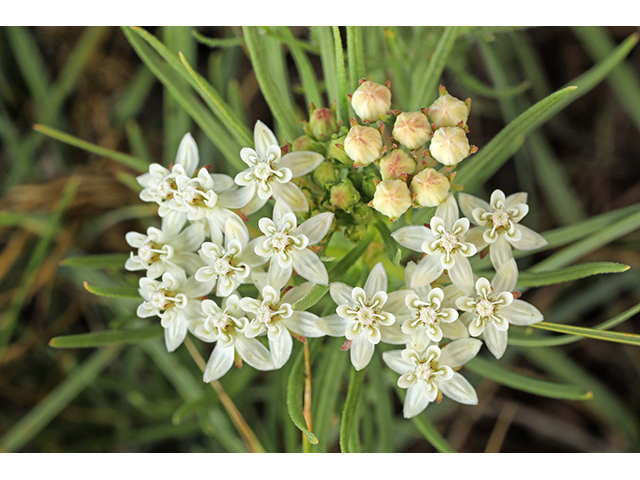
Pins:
x,y
574,272
107,338
618,337
114,292
107,260
295,392
342,104
349,416
355,54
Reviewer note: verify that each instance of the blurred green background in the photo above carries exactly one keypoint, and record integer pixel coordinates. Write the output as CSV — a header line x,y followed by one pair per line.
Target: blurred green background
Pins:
x,y
58,201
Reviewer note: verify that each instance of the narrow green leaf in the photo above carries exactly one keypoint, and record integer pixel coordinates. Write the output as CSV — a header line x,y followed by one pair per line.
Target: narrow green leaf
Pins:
x,y
494,371
30,62
390,246
107,338
324,37
618,337
107,260
116,292
349,416
187,409
355,54
342,104
123,158
295,392
574,272
78,379
476,169
217,42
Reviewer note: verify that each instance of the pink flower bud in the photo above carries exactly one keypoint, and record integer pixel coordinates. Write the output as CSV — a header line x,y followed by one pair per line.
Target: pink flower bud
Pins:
x,y
370,100
449,145
448,111
392,198
363,145
322,123
396,164
430,188
412,129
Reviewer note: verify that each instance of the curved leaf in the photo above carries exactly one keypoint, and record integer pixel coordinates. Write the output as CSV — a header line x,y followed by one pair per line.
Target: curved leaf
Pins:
x,y
107,260
618,337
349,415
117,292
106,338
295,392
574,272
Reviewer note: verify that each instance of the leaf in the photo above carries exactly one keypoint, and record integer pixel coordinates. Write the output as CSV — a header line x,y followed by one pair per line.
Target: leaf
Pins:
x,y
117,292
574,272
618,337
390,246
107,338
494,371
342,104
107,260
349,421
189,408
295,392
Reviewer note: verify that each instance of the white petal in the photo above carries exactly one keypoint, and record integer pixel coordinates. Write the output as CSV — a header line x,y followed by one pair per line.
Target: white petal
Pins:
x,y
191,238
333,325
281,348
316,228
300,163
361,351
475,236
280,209
515,198
506,277
468,203
305,324
175,334
521,313
454,330
413,236
341,293
297,293
459,352
416,400
235,229
448,211
236,198
395,362
427,271
529,240
188,155
255,204
173,222
500,252
278,276
495,339
376,281
393,334
291,193
459,389
461,274
263,138
252,351
219,363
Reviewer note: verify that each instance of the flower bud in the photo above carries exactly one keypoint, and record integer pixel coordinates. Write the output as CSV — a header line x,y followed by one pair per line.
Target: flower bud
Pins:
x,y
307,144
430,188
362,214
392,198
411,129
448,111
326,174
363,145
356,233
370,100
396,164
323,124
449,145
336,151
344,195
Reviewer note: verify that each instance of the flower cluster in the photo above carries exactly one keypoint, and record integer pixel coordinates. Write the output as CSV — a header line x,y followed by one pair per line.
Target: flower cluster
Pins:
x,y
210,272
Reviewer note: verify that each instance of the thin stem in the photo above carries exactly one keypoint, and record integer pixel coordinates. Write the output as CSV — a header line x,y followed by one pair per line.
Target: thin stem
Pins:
x,y
306,446
250,439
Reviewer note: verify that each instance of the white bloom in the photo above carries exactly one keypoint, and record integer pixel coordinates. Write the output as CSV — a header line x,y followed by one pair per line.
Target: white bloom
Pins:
x,y
493,308
231,264
363,316
176,300
285,244
166,249
276,318
499,225
269,174
428,316
444,245
225,325
428,373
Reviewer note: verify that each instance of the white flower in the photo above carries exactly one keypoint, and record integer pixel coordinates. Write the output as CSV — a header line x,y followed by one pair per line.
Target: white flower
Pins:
x,y
445,247
285,244
176,300
428,316
493,308
428,373
225,325
499,225
166,249
363,316
269,174
276,318
230,265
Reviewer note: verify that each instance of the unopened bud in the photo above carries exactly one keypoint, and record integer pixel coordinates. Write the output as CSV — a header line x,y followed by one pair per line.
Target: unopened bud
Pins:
x,y
322,124
344,195
363,145
370,100
307,144
362,214
396,164
448,111
430,188
449,145
412,129
392,198
336,151
326,174
356,233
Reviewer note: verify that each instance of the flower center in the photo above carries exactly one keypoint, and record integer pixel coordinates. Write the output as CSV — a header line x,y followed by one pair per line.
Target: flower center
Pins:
x,y
280,241
162,299
193,195
366,315
263,171
448,242
485,308
166,188
149,252
428,315
264,314
424,371
500,218
222,266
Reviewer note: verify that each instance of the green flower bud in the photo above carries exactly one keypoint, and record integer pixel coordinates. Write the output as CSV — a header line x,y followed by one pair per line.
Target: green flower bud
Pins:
x,y
326,174
323,124
356,233
448,111
363,145
370,100
344,195
307,144
363,214
396,164
449,146
429,188
411,129
392,198
336,151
